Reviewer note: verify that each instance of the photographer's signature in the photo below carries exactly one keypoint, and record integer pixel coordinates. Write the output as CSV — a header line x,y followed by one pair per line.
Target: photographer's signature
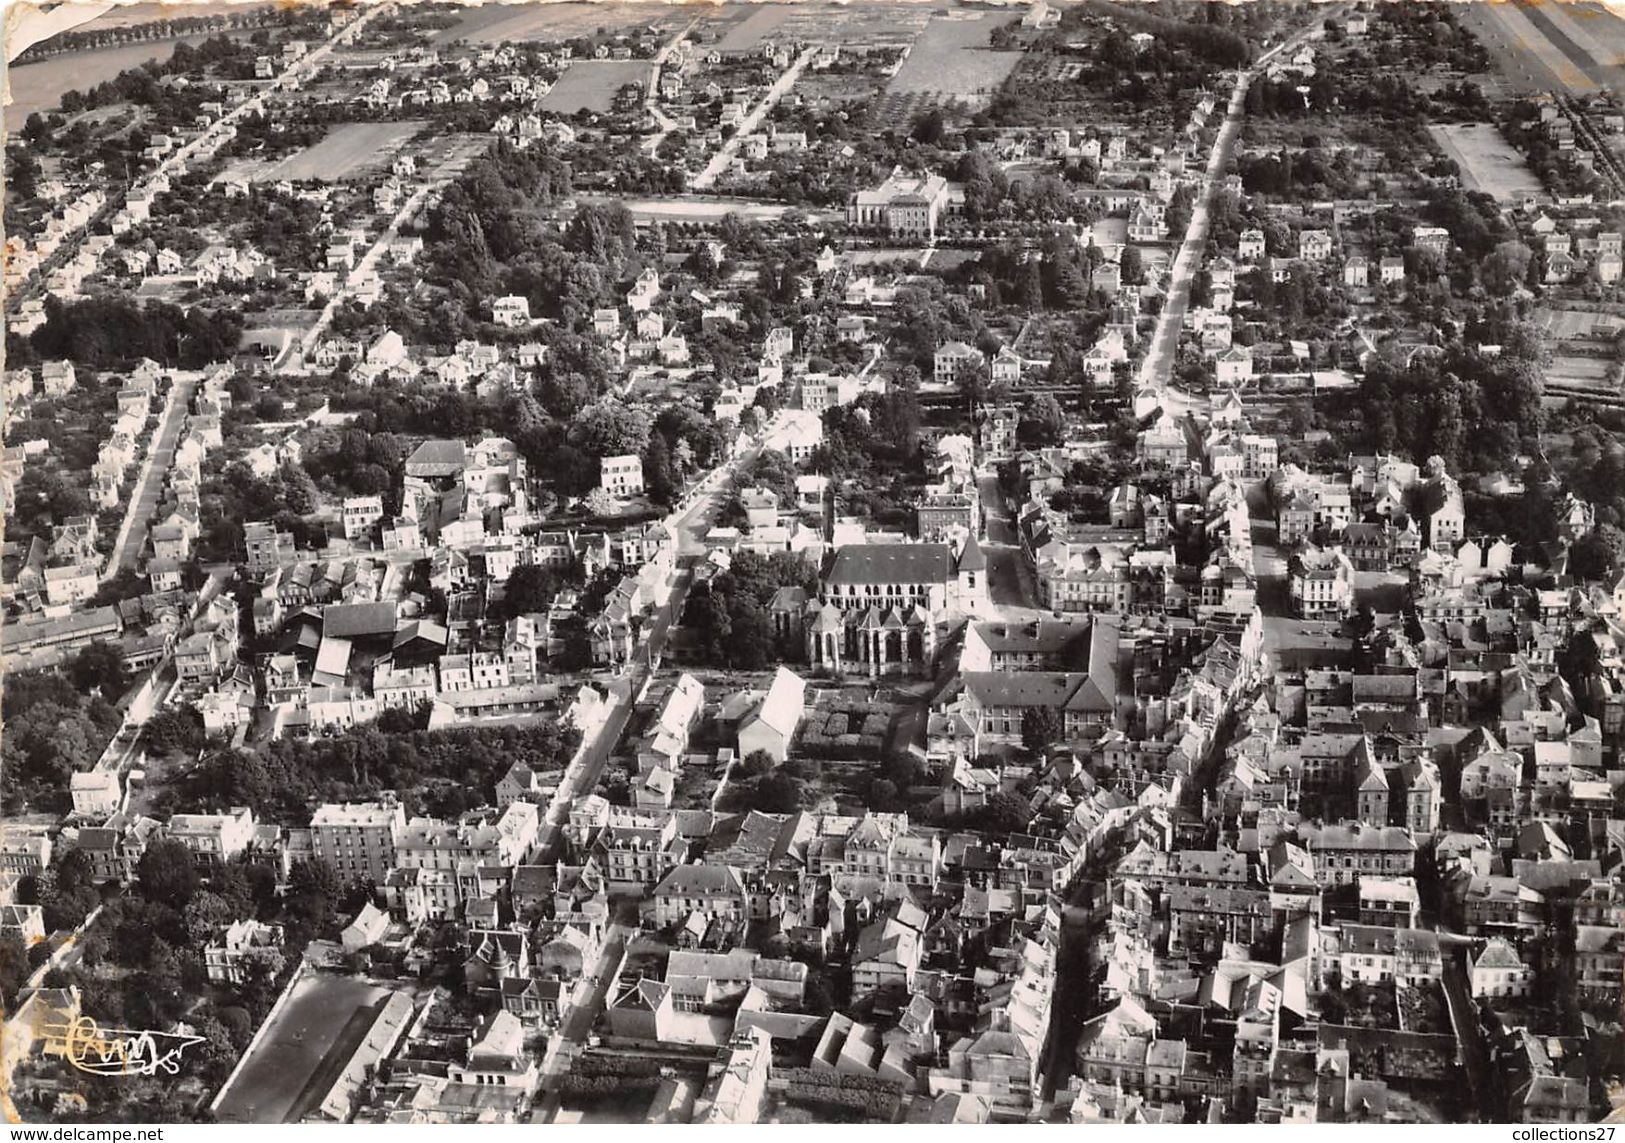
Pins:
x,y
123,1051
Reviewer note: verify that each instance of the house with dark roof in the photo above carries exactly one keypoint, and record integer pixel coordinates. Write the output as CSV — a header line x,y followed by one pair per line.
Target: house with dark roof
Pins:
x,y
997,702
643,1011
359,621
895,575
437,460
714,891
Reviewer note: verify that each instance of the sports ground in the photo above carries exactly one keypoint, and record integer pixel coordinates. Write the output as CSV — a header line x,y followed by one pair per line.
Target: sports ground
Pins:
x,y
299,1054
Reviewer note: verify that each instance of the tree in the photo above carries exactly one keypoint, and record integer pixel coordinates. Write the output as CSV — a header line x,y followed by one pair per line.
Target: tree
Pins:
x,y
1041,729
239,1025
660,477
1042,422
206,914
775,793
1506,268
66,890
168,873
756,763
1132,265
217,1055
100,667
178,730
928,128
22,173
13,966
314,892
1003,813
1597,554
529,588
609,428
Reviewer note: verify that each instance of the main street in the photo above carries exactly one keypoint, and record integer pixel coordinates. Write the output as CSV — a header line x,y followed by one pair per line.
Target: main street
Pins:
x,y
689,524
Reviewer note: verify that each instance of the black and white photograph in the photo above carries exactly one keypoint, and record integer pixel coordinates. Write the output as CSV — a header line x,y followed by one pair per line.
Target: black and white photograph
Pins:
x,y
828,562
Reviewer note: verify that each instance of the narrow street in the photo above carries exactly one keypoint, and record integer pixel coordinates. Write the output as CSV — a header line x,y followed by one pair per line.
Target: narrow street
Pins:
x,y
719,162
651,98
690,524
1157,369
149,486
1475,1055
1011,584
579,1018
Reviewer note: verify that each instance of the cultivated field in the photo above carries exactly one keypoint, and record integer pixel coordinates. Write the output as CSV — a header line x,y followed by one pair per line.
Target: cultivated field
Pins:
x,y
505,23
1568,368
321,1024
951,60
1569,325
857,24
1487,161
590,85
348,149
762,23
1578,47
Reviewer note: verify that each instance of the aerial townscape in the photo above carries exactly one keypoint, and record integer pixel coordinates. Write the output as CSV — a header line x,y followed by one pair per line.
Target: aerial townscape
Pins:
x,y
947,562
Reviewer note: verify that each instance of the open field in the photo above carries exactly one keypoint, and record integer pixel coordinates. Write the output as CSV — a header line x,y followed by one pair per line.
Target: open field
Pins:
x,y
590,85
1487,161
866,24
761,24
505,23
1537,48
1589,42
348,149
40,86
322,1022
951,59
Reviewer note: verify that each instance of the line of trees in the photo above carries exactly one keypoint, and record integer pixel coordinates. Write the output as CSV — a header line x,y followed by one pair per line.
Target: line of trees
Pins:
x,y
108,331
441,772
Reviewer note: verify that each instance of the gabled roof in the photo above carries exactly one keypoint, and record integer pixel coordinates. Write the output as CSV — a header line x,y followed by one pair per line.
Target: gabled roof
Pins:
x,y
358,620
891,563
784,703
437,458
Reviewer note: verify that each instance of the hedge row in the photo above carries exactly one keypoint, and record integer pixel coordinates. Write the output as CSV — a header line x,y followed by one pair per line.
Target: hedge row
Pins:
x,y
817,1077
577,1086
593,1064
872,1105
